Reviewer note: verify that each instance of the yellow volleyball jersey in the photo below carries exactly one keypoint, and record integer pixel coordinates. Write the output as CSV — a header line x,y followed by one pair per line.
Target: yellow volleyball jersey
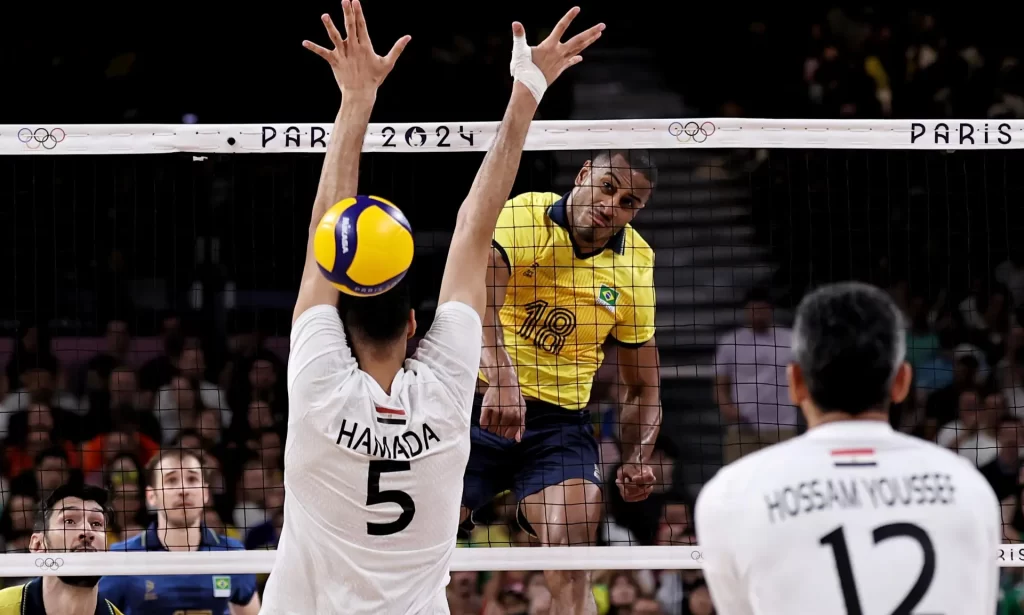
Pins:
x,y
27,599
561,305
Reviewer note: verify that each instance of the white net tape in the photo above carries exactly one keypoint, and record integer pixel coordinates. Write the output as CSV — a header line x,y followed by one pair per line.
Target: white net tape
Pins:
x,y
704,133
92,139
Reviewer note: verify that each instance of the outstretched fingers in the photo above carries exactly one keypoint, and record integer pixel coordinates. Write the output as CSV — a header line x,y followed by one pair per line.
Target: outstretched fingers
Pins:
x,y
396,51
332,31
584,39
317,49
563,24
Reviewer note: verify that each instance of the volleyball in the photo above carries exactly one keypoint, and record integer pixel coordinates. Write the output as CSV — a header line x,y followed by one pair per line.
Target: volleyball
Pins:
x,y
363,245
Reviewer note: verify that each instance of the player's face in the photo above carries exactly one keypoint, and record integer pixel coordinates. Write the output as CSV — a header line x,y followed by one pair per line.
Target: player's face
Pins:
x,y
179,490
606,199
74,525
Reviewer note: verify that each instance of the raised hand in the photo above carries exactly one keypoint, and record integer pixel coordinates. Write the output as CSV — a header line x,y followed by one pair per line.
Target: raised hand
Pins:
x,y
552,56
357,68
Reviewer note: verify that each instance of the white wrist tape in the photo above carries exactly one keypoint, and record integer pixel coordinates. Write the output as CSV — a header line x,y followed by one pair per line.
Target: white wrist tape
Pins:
x,y
524,70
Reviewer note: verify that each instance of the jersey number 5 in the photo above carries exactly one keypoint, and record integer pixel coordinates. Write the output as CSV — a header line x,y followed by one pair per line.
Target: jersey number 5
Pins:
x,y
375,496
837,540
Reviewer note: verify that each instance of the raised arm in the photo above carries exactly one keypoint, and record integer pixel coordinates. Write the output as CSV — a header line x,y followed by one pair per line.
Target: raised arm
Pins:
x,y
359,72
534,68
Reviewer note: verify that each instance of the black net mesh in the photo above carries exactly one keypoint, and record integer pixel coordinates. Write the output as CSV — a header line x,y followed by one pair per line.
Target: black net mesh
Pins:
x,y
149,299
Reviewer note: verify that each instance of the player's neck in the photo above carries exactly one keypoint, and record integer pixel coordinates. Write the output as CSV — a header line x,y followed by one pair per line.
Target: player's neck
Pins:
x,y
59,597
381,363
179,538
831,418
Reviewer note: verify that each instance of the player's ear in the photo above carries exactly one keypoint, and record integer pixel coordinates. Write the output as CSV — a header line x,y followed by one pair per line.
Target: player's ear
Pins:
x,y
36,543
900,387
151,498
411,326
797,386
584,174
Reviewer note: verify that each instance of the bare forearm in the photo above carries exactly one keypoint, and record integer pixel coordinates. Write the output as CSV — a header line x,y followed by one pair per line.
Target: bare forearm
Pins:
x,y
495,362
497,173
339,178
639,423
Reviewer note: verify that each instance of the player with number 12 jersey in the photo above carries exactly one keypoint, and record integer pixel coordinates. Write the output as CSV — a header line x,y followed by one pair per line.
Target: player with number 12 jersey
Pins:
x,y
851,518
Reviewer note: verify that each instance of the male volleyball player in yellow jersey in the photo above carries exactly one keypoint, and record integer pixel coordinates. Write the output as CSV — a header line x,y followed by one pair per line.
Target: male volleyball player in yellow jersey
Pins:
x,y
72,519
568,273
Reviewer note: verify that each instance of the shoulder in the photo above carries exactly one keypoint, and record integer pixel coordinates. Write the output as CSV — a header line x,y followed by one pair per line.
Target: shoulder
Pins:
x,y
530,206
11,596
740,477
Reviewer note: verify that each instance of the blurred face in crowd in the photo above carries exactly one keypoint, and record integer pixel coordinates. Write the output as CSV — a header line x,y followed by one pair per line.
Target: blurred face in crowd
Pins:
x,y
118,339
260,415
969,410
268,447
463,583
623,590
607,196
39,384
40,425
22,509
964,371
123,387
209,424
995,406
52,472
192,364
262,375
254,482
179,490
72,525
123,474
759,315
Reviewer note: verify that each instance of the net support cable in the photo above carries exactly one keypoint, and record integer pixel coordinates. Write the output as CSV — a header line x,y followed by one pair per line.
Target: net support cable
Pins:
x,y
712,133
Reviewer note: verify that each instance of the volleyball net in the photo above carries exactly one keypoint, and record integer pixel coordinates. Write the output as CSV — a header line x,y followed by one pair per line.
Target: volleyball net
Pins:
x,y
153,270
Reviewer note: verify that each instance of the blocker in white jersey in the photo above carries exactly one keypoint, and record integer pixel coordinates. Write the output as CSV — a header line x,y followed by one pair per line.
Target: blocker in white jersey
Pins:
x,y
851,518
373,480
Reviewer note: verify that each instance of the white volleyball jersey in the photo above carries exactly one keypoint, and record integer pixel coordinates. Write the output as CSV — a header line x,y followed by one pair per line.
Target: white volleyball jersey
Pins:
x,y
373,482
851,518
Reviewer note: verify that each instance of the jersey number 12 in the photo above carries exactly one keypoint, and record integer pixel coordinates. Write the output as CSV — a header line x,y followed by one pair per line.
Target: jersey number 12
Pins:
x,y
837,540
375,496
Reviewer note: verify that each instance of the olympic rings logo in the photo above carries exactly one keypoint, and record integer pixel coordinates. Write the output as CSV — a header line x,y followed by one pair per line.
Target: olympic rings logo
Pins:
x,y
697,556
41,137
691,131
49,562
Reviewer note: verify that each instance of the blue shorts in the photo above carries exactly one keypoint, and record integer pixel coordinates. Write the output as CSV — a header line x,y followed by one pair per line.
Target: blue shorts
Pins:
x,y
557,445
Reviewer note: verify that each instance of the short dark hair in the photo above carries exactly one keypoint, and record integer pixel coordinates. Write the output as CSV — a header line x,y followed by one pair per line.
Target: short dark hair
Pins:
x,y
153,465
380,318
848,340
638,160
86,493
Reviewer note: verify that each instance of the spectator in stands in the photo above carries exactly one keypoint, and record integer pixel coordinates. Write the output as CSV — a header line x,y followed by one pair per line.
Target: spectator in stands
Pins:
x,y
124,437
53,469
463,597
191,369
158,371
178,491
972,435
38,385
251,500
941,404
99,367
33,351
1003,472
32,432
121,397
124,478
750,381
16,521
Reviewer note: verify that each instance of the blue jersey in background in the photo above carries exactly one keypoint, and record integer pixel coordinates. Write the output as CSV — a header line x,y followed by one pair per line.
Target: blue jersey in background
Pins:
x,y
170,595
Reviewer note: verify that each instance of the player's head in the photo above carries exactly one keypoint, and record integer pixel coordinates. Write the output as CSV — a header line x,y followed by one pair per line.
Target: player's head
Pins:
x,y
759,309
848,354
610,190
73,518
380,321
177,488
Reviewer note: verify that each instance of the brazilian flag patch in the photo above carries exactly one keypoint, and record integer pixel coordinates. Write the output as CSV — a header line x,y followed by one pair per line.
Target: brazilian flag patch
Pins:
x,y
607,296
221,587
